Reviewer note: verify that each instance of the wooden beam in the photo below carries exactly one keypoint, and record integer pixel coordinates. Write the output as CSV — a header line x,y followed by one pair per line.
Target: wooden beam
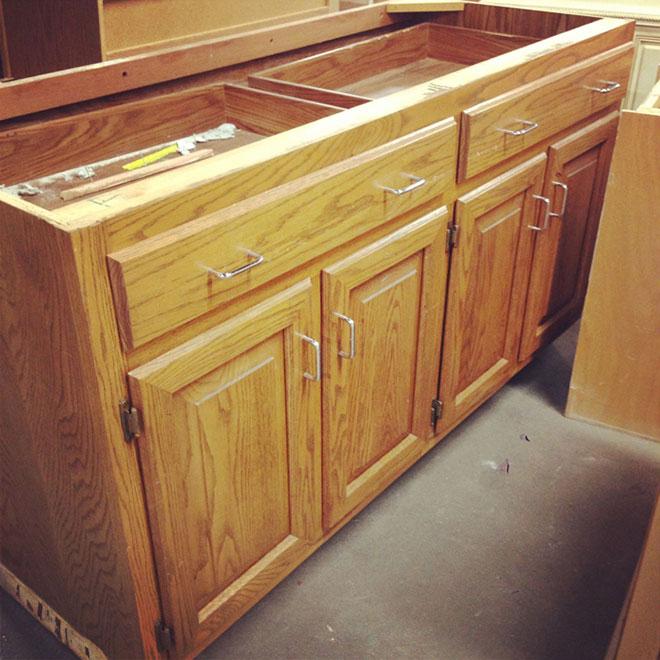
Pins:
x,y
71,86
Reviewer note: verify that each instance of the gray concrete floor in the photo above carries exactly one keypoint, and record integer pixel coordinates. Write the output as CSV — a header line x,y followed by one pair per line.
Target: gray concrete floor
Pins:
x,y
460,559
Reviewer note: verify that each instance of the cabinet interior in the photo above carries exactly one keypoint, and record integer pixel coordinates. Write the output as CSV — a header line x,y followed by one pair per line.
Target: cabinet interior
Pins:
x,y
108,133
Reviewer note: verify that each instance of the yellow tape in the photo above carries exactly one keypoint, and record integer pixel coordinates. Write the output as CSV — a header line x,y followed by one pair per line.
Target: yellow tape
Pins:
x,y
150,158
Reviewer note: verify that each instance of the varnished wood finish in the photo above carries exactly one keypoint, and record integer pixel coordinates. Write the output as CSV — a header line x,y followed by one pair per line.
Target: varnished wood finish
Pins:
x,y
71,483
562,254
488,285
484,142
206,359
161,282
377,406
615,378
232,457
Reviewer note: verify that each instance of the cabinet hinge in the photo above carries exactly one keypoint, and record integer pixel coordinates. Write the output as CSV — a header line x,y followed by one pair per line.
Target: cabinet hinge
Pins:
x,y
436,411
130,421
164,637
452,236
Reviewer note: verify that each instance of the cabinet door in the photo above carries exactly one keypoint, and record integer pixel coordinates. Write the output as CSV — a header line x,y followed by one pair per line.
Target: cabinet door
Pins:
x,y
575,182
382,322
231,460
487,287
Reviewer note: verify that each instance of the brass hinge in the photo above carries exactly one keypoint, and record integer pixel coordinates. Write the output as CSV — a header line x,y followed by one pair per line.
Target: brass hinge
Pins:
x,y
130,421
436,411
164,637
452,236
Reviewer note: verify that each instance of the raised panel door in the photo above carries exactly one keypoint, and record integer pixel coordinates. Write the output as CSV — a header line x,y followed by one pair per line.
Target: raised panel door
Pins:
x,y
231,459
575,183
488,284
382,316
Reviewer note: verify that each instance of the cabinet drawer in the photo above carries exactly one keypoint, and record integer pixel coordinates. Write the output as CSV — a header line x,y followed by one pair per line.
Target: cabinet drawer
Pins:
x,y
165,281
508,124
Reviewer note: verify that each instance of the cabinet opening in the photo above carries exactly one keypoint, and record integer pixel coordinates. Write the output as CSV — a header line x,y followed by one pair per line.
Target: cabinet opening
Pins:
x,y
379,66
48,163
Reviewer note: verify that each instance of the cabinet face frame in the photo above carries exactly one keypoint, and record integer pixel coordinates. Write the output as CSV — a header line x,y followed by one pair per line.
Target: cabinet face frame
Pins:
x,y
506,205
411,256
541,326
175,393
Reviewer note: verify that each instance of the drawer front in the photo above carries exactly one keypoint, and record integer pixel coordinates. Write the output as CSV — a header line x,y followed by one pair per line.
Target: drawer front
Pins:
x,y
502,127
165,281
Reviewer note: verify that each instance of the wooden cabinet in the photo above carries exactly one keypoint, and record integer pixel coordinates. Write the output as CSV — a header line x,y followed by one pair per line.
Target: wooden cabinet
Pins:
x,y
286,317
382,316
231,456
495,227
575,184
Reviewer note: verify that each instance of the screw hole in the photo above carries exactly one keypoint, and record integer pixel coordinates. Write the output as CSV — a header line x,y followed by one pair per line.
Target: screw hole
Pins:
x,y
124,73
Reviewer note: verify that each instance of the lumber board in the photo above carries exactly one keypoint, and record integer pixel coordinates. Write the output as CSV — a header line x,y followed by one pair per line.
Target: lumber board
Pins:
x,y
402,6
616,376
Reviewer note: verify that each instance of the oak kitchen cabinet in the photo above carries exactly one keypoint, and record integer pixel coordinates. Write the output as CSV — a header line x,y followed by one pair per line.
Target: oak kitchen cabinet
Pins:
x,y
207,371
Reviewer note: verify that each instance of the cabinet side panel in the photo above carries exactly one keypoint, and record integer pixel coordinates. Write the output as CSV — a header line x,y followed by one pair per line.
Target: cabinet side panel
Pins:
x,y
61,530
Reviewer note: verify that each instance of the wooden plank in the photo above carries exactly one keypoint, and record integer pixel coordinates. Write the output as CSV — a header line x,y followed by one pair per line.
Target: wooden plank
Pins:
x,y
51,620
56,89
317,94
423,6
50,35
616,376
131,24
38,149
127,177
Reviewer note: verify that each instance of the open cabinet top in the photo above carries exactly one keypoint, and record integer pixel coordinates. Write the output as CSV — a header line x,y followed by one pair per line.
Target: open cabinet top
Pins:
x,y
359,87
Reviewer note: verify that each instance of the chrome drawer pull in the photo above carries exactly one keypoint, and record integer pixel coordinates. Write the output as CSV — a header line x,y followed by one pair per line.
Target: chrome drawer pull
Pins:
x,y
351,324
546,216
610,86
259,259
529,126
564,199
417,182
317,349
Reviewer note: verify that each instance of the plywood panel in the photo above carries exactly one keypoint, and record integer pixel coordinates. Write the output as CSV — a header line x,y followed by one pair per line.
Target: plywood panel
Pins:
x,y
616,377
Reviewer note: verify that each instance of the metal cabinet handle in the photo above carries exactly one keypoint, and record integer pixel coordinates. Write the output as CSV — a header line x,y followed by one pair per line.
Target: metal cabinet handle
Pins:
x,y
610,86
564,199
351,324
529,126
417,182
546,217
316,377
258,259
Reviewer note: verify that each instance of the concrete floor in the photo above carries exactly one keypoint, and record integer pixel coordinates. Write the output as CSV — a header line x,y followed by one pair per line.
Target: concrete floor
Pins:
x,y
460,559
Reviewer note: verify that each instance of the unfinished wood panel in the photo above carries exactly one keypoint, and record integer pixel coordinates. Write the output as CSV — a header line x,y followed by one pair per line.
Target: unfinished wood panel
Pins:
x,y
488,285
379,360
163,282
234,494
488,131
50,35
423,5
136,24
616,377
71,483
575,183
